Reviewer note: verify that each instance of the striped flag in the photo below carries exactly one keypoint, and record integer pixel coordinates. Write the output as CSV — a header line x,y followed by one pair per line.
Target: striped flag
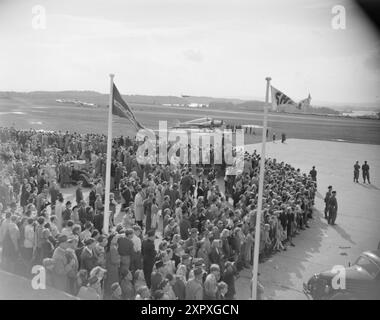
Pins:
x,y
121,109
279,98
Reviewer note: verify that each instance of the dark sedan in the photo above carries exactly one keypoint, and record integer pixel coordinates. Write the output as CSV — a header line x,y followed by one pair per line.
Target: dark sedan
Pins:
x,y
361,281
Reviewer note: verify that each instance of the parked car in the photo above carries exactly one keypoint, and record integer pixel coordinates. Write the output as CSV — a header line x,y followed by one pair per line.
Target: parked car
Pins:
x,y
81,172
362,281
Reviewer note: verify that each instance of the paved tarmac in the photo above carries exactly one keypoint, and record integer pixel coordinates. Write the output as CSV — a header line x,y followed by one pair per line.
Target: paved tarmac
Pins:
x,y
323,246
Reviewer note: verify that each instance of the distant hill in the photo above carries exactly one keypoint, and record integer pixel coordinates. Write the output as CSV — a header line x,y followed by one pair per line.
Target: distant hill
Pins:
x,y
138,101
49,97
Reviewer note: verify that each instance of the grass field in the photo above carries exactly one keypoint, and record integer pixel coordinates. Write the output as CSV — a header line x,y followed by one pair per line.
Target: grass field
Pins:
x,y
24,113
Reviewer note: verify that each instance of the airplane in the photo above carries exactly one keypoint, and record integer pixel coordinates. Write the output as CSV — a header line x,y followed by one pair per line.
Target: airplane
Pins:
x,y
201,123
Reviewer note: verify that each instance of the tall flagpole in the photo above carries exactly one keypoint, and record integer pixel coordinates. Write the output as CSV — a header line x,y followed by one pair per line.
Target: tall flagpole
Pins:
x,y
260,196
108,163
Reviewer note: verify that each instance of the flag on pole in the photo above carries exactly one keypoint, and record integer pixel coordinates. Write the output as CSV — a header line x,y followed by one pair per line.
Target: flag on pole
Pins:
x,y
121,109
279,98
304,103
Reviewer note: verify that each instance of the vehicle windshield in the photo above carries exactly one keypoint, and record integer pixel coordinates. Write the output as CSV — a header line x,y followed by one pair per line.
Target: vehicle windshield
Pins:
x,y
368,265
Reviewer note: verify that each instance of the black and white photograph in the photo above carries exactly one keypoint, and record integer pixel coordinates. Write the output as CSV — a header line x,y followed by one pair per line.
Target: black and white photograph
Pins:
x,y
204,152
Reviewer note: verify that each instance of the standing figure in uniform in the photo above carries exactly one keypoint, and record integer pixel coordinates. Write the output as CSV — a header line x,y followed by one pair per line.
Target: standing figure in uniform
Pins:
x,y
333,208
283,137
365,170
327,199
313,174
356,171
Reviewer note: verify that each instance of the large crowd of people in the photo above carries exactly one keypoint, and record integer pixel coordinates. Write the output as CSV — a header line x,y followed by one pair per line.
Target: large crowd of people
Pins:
x,y
173,233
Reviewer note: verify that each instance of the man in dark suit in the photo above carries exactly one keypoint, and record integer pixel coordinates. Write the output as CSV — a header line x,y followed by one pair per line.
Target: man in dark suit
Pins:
x,y
157,276
333,208
79,193
184,226
365,170
98,221
127,194
194,287
356,171
313,174
82,214
92,197
125,249
66,214
186,183
149,254
327,200
88,258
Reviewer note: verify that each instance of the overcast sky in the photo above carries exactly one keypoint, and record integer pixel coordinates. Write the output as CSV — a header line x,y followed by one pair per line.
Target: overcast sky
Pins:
x,y
216,48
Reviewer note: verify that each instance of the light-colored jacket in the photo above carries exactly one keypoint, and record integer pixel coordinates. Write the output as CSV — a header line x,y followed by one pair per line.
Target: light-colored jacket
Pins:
x,y
139,207
29,236
210,286
61,268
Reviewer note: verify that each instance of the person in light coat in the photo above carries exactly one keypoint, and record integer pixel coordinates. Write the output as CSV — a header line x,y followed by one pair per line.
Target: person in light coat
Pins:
x,y
139,207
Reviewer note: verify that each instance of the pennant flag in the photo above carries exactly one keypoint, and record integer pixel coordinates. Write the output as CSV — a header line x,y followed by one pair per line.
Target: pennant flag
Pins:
x,y
304,103
280,98
121,109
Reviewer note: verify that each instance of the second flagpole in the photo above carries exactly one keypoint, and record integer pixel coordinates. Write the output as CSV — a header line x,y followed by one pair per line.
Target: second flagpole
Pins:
x,y
260,197
108,162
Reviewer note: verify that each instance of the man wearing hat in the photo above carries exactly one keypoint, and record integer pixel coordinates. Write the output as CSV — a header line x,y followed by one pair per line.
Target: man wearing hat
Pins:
x,y
126,249
327,200
157,276
193,240
194,287
62,266
148,251
88,258
198,263
66,214
333,208
313,174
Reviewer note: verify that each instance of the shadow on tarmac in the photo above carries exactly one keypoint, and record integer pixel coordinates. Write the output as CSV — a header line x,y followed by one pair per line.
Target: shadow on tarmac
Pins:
x,y
344,234
368,186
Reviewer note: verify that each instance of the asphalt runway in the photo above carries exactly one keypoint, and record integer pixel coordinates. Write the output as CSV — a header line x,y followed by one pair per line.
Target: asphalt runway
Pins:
x,y
25,114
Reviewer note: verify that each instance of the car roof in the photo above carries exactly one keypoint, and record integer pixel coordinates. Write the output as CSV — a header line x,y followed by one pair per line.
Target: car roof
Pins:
x,y
374,255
